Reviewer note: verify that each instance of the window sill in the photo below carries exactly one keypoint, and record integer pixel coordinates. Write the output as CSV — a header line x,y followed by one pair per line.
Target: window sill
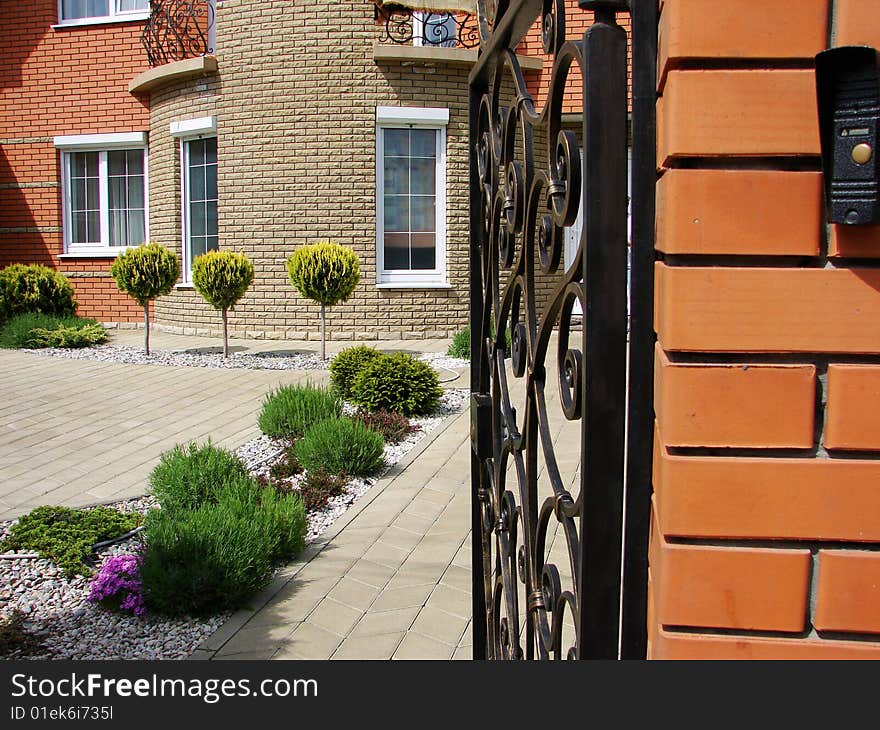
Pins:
x,y
98,254
413,285
105,20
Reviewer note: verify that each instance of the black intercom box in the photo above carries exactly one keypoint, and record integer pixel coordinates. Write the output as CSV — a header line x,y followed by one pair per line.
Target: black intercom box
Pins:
x,y
848,95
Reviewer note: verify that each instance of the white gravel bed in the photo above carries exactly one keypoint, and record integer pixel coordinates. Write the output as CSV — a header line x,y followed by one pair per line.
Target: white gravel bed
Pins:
x,y
69,627
269,360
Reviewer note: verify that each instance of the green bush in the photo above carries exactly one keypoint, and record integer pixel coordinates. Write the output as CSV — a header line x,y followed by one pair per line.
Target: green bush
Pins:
x,y
347,364
324,272
397,383
394,427
461,342
66,536
319,487
214,558
144,273
222,278
34,289
291,409
50,330
189,476
341,445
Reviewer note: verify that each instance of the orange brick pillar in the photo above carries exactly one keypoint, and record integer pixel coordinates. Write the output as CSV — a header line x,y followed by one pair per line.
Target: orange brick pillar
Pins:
x,y
765,539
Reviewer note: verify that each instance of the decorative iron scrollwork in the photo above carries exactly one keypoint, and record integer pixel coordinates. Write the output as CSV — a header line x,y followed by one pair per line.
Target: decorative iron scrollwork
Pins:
x,y
178,29
446,30
523,199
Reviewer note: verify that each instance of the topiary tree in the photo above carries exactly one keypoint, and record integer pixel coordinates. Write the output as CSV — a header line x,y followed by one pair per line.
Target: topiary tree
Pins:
x,y
144,273
324,272
222,278
34,289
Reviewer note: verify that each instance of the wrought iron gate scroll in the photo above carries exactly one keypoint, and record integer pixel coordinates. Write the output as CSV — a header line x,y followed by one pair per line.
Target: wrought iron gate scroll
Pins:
x,y
523,197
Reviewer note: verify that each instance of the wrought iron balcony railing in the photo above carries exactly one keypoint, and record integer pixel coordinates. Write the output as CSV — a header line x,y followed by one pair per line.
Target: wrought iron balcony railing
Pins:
x,y
179,29
422,28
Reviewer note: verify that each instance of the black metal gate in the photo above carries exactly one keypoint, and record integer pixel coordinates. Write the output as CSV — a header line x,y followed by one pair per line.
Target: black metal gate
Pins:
x,y
530,172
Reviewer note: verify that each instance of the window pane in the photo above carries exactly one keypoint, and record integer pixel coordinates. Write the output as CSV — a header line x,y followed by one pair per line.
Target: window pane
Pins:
x,y
423,251
424,176
422,214
197,183
116,187
211,228
116,162
424,143
211,150
77,195
196,152
197,246
211,182
197,219
73,9
78,234
212,244
396,176
93,225
396,142
129,5
136,192
136,228
118,228
397,251
93,198
396,213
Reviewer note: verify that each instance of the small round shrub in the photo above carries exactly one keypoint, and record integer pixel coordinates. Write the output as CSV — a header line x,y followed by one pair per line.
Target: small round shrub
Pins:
x,y
394,427
222,278
341,445
214,558
397,383
189,476
34,288
50,330
347,364
291,409
319,487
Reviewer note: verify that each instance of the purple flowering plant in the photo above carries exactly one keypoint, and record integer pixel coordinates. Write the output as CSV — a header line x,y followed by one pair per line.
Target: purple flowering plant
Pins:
x,y
118,585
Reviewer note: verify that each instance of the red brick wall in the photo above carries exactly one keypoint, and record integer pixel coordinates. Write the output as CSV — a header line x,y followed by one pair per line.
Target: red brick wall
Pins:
x,y
53,82
766,525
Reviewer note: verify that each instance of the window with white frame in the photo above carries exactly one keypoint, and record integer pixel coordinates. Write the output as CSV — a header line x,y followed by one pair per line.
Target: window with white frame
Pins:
x,y
104,191
434,29
198,164
84,10
411,196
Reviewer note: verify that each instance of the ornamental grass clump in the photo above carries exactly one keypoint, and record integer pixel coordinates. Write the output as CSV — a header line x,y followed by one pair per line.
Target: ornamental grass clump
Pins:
x,y
324,272
398,383
118,585
188,476
66,536
347,364
290,410
50,330
341,445
222,278
144,273
34,288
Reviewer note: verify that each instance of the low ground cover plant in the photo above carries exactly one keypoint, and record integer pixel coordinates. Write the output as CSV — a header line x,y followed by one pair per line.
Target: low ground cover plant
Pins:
x,y
347,364
398,383
27,289
118,586
394,427
222,278
36,330
341,445
190,475
144,273
326,273
287,465
320,486
290,410
66,536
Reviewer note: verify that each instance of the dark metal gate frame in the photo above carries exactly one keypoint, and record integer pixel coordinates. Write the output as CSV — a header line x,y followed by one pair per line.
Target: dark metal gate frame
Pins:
x,y
518,213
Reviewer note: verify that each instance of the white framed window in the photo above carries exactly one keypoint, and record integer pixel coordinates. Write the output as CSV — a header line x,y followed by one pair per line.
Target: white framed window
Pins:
x,y
198,186
411,196
104,192
434,29
77,12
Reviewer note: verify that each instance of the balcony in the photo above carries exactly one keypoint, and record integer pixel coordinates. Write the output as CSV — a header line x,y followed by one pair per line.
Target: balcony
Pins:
x,y
178,30
403,26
